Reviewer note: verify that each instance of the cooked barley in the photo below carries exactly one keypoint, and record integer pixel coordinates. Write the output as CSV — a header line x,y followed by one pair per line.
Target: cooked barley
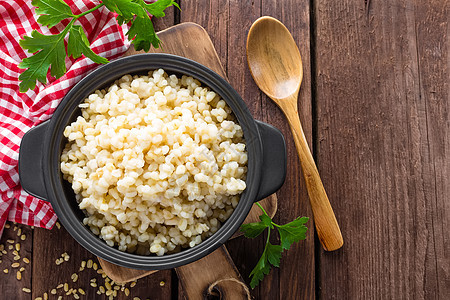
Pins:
x,y
194,157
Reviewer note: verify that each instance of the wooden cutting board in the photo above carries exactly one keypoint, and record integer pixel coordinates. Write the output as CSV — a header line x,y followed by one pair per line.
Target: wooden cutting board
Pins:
x,y
192,41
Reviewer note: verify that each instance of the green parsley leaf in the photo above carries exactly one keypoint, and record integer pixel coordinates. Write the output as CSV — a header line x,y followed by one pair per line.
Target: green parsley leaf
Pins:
x,y
273,253
53,53
126,9
51,11
289,233
270,256
266,220
78,44
143,33
157,8
252,230
262,268
292,232
50,51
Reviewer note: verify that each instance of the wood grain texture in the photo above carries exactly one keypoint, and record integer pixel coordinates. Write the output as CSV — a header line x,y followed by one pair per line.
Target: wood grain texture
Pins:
x,y
382,77
297,270
122,274
10,287
196,278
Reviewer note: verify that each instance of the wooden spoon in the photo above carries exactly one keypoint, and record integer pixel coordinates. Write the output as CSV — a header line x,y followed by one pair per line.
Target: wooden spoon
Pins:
x,y
276,66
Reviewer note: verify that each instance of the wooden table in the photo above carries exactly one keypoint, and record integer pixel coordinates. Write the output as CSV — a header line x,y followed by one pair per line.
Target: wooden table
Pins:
x,y
375,108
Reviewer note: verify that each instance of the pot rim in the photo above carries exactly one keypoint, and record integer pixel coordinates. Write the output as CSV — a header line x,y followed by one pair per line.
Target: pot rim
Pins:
x,y
102,77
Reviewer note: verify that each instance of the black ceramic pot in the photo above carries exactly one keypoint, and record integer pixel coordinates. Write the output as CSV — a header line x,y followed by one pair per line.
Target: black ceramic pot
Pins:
x,y
41,147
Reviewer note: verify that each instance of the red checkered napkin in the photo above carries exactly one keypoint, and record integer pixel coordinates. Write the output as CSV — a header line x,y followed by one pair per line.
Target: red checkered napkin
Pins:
x,y
21,111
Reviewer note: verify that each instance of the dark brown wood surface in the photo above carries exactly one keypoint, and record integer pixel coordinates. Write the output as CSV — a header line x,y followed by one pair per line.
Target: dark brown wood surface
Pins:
x,y
382,99
213,275
375,108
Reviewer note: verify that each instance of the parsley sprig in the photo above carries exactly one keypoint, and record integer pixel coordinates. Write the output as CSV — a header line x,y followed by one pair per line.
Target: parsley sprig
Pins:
x,y
50,51
289,233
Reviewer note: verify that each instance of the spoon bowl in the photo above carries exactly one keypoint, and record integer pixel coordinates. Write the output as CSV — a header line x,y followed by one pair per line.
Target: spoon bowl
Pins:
x,y
276,66
281,75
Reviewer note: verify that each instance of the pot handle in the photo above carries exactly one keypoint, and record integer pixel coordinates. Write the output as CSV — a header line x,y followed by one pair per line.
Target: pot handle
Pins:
x,y
30,161
274,160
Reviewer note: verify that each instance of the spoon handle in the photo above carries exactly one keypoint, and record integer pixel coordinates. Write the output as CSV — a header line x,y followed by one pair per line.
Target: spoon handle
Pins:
x,y
326,224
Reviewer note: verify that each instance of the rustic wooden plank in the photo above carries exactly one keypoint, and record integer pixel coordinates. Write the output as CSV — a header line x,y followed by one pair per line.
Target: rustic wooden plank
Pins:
x,y
211,275
228,30
297,269
122,274
10,287
433,51
214,17
382,108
